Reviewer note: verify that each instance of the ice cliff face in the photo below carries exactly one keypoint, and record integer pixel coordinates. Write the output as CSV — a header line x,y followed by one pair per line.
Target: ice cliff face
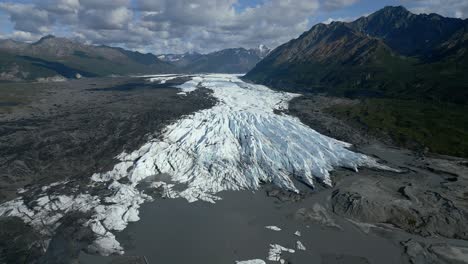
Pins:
x,y
240,143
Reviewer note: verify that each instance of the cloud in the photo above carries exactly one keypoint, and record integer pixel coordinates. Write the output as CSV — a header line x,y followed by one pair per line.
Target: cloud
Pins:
x,y
337,4
168,25
115,18
26,17
215,24
451,8
62,6
339,19
103,4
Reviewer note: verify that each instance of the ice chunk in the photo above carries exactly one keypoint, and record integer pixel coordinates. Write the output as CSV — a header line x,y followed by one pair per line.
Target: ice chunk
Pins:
x,y
300,246
252,261
274,228
275,252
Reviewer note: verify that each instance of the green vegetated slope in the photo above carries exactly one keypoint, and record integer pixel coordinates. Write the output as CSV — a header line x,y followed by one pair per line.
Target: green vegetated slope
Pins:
x,y
441,127
413,66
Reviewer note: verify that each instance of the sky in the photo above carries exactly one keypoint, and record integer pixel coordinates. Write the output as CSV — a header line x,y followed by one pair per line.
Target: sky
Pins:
x,y
178,26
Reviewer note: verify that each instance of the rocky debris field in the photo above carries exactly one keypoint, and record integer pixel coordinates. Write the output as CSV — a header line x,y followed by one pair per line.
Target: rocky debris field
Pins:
x,y
63,133
73,129
424,208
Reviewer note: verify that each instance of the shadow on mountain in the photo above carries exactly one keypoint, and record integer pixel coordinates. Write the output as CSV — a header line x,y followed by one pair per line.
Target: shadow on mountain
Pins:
x,y
59,68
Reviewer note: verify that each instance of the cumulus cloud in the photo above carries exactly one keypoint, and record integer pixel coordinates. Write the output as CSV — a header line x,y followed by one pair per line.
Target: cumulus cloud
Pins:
x,y
212,24
115,18
161,26
26,17
339,19
337,4
451,8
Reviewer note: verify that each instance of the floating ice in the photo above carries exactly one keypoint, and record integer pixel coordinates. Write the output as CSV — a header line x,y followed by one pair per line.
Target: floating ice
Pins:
x,y
252,261
274,228
110,213
297,233
300,246
276,250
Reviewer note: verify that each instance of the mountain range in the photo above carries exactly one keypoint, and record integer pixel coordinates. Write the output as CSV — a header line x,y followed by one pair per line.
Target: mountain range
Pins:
x,y
390,53
53,57
234,60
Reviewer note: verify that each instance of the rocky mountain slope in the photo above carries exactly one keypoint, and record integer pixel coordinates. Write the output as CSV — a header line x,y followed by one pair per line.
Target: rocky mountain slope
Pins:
x,y
391,53
52,56
236,60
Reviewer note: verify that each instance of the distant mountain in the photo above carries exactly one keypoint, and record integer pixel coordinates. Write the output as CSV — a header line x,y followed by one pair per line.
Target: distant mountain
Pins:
x,y
237,60
52,56
180,60
391,53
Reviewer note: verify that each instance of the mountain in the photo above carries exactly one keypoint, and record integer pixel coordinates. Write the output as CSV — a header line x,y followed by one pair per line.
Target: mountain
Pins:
x,y
391,53
236,60
52,56
57,58
407,33
181,60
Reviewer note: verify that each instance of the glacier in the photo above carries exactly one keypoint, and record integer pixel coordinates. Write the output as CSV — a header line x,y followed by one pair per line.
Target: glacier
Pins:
x,y
242,142
245,140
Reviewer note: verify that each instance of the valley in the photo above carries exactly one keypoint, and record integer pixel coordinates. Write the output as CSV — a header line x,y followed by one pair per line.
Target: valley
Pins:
x,y
181,163
137,132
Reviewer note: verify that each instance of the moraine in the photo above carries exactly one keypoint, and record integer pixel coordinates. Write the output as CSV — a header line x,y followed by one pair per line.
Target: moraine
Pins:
x,y
242,142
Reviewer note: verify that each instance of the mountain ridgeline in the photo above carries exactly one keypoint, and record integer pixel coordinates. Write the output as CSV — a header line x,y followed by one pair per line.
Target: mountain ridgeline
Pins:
x,y
390,53
53,57
234,60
